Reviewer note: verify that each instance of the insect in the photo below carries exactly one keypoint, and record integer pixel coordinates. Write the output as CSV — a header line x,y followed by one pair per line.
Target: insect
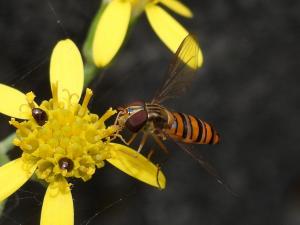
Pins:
x,y
153,119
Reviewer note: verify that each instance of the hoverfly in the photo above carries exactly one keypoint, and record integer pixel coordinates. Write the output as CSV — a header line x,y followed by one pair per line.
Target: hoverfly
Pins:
x,y
154,119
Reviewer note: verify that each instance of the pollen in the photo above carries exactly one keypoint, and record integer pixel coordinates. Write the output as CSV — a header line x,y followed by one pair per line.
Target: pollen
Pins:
x,y
64,139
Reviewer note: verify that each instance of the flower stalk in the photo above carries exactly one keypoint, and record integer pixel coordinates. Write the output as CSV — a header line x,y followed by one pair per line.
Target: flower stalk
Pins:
x,y
5,146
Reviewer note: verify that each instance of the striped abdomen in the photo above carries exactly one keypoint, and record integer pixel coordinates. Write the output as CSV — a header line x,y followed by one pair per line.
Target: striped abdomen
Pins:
x,y
189,129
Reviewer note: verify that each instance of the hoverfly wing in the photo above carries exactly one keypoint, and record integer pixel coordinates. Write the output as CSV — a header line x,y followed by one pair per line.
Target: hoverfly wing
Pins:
x,y
181,71
206,166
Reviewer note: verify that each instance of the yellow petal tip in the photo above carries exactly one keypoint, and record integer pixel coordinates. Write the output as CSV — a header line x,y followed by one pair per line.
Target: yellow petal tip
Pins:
x,y
66,69
110,32
136,165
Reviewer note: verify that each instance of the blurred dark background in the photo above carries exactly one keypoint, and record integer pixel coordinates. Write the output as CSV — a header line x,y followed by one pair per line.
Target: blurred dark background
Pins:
x,y
248,88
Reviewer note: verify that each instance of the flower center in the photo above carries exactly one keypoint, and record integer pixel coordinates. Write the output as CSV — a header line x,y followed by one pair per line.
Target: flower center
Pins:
x,y
63,138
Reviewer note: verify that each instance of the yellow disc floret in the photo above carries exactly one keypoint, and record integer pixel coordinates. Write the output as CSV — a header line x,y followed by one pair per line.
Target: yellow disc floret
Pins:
x,y
63,138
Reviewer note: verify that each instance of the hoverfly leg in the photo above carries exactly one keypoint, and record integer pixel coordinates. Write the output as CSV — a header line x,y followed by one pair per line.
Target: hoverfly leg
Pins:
x,y
121,138
157,174
159,169
160,143
150,154
143,141
124,141
117,118
132,138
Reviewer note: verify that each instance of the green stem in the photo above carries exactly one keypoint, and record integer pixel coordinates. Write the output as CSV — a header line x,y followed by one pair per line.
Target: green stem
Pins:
x,y
3,159
6,145
90,71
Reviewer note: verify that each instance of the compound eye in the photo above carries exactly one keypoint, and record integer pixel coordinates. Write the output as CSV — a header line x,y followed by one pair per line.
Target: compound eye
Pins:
x,y
40,116
136,122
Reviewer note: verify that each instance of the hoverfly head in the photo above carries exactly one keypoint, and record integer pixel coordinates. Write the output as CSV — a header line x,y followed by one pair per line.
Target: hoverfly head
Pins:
x,y
138,116
133,116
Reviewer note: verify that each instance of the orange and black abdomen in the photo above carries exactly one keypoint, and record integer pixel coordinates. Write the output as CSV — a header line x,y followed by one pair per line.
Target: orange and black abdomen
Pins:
x,y
189,129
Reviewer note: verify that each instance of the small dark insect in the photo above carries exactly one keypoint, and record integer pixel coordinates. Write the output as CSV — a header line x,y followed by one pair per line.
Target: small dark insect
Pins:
x,y
40,116
66,164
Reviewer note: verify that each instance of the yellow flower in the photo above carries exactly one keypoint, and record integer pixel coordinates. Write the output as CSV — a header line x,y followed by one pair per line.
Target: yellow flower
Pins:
x,y
114,21
60,138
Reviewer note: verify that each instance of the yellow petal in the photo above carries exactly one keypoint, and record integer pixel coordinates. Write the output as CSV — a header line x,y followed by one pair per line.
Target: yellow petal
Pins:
x,y
12,101
57,206
12,177
66,68
136,165
168,29
111,31
177,7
